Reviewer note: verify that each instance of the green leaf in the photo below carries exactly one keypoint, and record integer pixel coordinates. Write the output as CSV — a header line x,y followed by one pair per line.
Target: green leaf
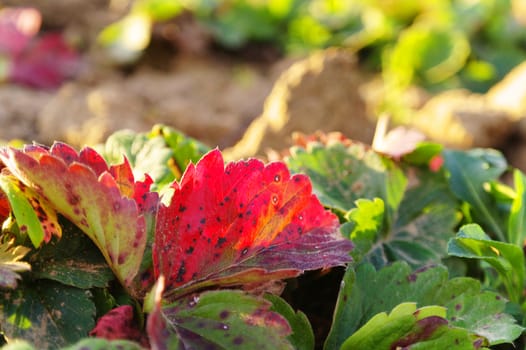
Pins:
x,y
469,172
84,344
223,319
302,337
365,223
32,212
163,153
340,175
367,292
409,327
508,259
185,149
46,314
73,260
423,224
10,264
103,344
516,233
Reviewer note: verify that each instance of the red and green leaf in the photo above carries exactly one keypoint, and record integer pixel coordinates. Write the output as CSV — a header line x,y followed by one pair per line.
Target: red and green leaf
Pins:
x,y
33,213
243,223
224,319
105,202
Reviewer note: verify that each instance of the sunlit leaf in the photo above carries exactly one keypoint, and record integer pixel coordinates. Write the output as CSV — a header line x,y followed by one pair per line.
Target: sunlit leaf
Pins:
x,y
469,172
243,223
508,259
10,264
104,202
367,292
223,319
33,213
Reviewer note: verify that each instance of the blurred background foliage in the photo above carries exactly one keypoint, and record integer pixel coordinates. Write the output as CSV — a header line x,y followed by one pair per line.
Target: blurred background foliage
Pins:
x,y
436,44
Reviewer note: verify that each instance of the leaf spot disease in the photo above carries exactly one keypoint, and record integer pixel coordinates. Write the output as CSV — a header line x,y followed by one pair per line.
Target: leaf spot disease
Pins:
x,y
237,341
224,314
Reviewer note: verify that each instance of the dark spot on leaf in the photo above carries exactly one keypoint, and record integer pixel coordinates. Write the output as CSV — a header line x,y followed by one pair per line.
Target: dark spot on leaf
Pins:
x,y
220,242
122,258
227,199
201,208
190,250
202,221
237,341
218,219
240,215
182,208
224,314
458,307
223,326
181,272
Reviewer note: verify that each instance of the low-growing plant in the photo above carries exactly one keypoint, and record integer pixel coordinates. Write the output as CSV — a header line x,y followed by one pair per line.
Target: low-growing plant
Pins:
x,y
195,254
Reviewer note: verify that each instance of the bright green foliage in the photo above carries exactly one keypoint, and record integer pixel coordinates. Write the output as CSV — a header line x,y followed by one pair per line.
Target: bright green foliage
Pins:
x,y
410,222
469,173
508,259
423,328
517,220
163,153
366,292
33,213
341,174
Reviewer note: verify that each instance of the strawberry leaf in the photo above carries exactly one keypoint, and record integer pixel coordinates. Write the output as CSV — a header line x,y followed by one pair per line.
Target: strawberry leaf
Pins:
x,y
84,344
243,223
74,260
105,203
224,319
33,213
367,292
42,314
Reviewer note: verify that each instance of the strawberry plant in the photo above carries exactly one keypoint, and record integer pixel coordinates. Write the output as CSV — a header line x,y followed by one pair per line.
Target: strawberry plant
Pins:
x,y
154,241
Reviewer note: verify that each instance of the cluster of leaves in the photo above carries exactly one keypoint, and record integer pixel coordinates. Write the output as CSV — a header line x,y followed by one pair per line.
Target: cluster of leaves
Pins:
x,y
41,61
451,43
192,255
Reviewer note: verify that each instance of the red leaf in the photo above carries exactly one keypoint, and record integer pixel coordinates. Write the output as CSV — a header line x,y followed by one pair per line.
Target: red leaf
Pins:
x,y
119,323
106,203
242,223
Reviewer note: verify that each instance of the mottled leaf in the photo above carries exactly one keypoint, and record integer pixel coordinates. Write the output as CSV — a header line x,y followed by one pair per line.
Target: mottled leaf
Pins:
x,y
223,319
469,172
423,223
73,260
10,264
367,292
342,174
104,202
47,314
409,328
33,213
302,337
508,259
243,223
